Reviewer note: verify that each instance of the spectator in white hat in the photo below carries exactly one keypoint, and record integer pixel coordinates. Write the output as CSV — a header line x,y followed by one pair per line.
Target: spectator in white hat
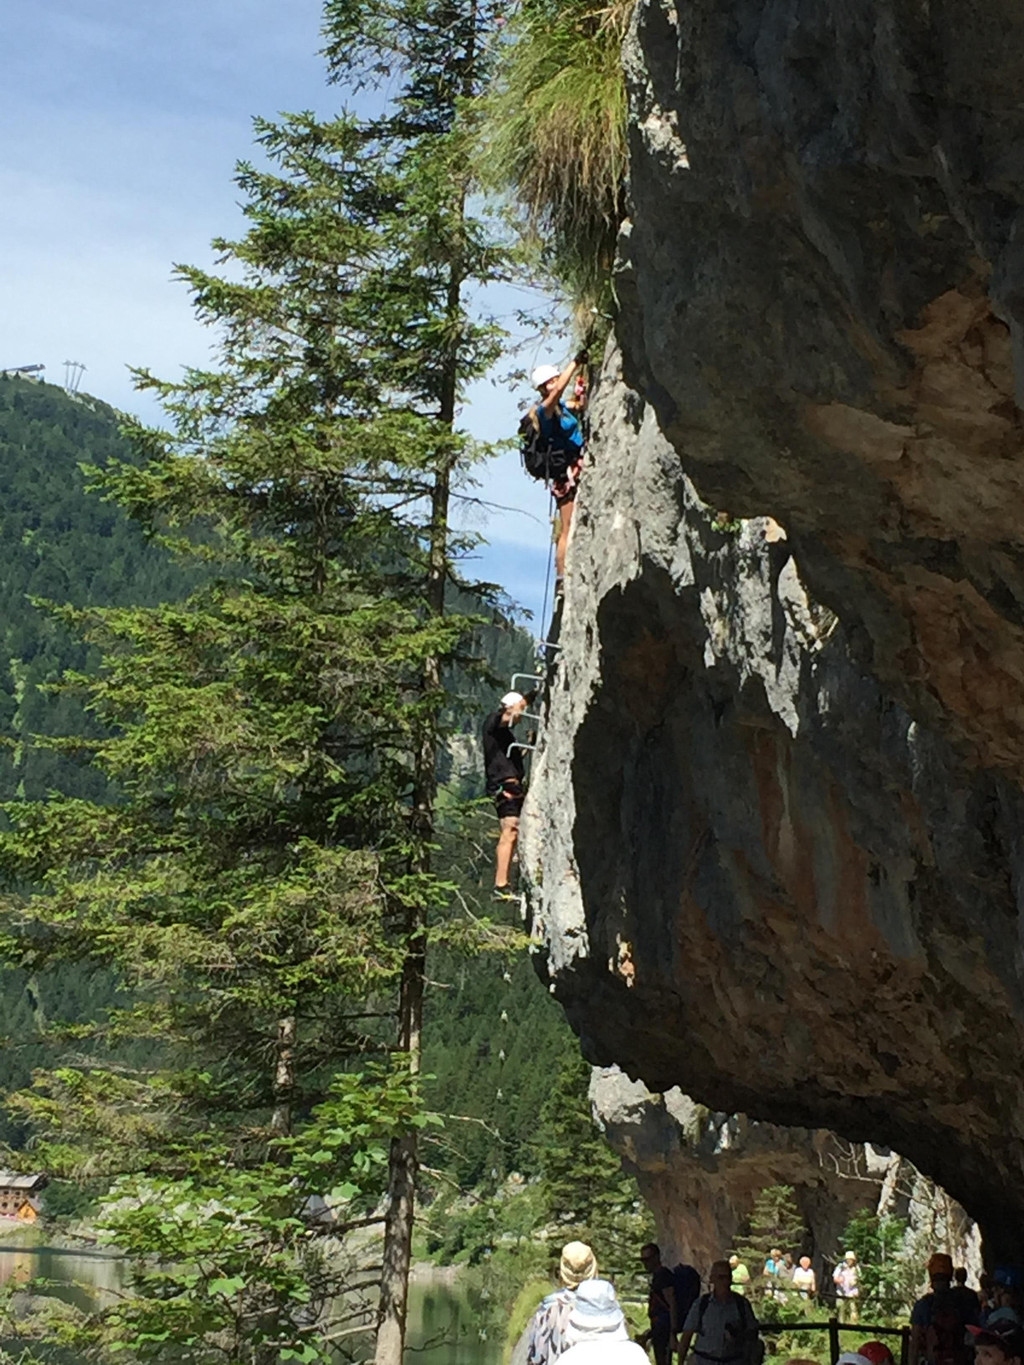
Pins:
x,y
597,1330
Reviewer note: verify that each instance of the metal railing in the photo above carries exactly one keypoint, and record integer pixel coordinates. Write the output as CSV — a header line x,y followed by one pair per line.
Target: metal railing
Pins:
x,y
834,1327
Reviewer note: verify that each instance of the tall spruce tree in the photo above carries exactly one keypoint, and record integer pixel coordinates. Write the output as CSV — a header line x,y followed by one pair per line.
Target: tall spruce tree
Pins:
x,y
264,885
439,52
775,1223
586,1193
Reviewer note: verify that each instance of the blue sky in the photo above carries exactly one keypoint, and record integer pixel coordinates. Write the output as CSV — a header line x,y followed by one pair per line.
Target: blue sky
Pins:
x,y
122,123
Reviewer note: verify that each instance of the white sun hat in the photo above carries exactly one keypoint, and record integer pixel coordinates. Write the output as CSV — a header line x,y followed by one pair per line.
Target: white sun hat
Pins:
x,y
596,1313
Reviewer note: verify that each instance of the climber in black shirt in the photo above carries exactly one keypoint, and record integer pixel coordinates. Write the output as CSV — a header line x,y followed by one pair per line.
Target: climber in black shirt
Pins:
x,y
504,769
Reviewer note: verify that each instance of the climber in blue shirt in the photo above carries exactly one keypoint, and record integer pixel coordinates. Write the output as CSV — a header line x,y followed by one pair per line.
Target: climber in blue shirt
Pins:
x,y
559,423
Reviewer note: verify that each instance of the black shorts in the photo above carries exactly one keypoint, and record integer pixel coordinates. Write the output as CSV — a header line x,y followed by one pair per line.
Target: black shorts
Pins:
x,y
566,488
509,800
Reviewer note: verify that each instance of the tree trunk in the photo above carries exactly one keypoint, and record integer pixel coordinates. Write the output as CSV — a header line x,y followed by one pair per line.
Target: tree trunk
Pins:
x,y
284,1077
404,1155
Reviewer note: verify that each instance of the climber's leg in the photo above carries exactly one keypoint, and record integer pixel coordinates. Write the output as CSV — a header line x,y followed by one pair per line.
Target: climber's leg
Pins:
x,y
565,500
509,803
564,522
507,840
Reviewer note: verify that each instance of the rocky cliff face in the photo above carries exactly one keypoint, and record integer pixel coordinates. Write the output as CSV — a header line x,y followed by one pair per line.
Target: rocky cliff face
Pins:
x,y
759,871
775,832
823,299
700,1171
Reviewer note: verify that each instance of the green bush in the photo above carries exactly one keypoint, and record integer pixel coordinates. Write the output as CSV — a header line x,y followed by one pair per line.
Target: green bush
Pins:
x,y
887,1277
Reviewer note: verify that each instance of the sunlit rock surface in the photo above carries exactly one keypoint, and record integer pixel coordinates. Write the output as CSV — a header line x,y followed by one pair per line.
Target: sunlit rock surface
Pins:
x,y
700,1172
775,829
823,297
760,872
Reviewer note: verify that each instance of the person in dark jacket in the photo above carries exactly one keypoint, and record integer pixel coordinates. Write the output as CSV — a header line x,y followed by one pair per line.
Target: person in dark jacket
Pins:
x,y
504,768
662,1311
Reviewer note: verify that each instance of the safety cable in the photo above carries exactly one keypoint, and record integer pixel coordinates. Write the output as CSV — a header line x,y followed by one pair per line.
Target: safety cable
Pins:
x,y
547,574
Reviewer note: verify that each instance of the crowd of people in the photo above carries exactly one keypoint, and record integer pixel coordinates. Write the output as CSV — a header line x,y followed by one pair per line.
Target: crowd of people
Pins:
x,y
582,1322
784,1277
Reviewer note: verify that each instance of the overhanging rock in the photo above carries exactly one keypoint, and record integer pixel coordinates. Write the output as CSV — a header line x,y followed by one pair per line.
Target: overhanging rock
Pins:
x,y
755,873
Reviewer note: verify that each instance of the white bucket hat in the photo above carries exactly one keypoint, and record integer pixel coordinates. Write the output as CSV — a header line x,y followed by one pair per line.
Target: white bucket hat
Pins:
x,y
596,1314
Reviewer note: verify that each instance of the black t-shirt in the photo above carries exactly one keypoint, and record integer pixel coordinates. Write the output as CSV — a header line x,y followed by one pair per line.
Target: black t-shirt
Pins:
x,y
657,1305
499,763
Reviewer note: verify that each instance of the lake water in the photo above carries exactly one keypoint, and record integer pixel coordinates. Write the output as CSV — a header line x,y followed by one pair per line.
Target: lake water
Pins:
x,y
444,1326
444,1319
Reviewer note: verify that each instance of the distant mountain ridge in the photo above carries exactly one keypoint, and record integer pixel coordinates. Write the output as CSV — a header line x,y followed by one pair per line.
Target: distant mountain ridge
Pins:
x,y
61,543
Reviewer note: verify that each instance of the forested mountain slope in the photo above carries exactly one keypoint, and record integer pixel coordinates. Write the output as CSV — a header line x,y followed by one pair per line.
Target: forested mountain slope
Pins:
x,y
493,1036
59,543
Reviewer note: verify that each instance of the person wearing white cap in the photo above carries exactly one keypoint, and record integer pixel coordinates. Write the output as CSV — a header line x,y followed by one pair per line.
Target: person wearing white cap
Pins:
x,y
597,1332
558,424
505,770
846,1278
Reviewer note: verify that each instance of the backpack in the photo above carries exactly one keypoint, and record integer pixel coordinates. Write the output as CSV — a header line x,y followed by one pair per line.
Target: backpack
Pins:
x,y
944,1338
541,458
753,1348
686,1283
548,1329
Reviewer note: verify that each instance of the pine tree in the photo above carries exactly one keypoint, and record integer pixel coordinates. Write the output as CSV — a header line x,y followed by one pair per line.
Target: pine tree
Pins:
x,y
775,1222
439,48
586,1193
264,886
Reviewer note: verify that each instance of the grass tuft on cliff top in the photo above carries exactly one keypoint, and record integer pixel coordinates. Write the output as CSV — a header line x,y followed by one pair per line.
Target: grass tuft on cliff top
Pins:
x,y
554,137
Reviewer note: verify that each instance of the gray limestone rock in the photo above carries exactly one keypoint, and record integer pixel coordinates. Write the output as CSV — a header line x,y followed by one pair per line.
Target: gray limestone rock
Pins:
x,y
822,292
700,1172
755,873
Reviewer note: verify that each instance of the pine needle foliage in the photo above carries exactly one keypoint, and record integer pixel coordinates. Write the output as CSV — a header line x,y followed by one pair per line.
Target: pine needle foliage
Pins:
x,y
775,1223
554,135
587,1194
264,888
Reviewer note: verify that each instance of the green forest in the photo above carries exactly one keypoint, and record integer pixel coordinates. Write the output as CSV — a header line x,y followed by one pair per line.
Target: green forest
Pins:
x,y
64,544
494,1041
59,544
267,1032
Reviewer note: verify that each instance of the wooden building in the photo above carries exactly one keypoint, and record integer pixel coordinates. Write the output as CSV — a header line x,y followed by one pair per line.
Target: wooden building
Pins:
x,y
19,1196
